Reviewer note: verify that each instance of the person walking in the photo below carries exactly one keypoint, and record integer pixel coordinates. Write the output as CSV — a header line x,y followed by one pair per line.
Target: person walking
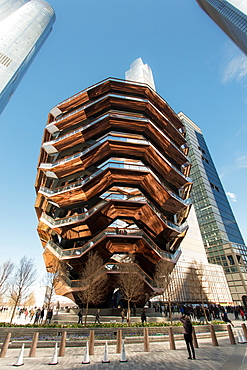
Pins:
x,y
242,314
123,315
80,314
49,315
143,316
37,316
42,314
225,318
26,313
97,316
188,336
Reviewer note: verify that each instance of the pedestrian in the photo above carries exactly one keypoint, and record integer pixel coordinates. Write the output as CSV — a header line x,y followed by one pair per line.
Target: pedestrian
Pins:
x,y
188,335
31,314
236,313
242,314
97,317
123,315
26,313
80,314
224,318
37,316
143,316
42,314
49,315
134,309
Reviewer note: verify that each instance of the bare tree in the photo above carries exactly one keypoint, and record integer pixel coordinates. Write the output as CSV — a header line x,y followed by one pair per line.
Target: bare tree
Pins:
x,y
29,300
6,269
131,283
93,278
24,277
163,280
51,281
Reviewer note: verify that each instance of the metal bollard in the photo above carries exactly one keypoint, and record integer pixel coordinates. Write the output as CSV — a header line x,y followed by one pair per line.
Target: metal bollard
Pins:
x,y
230,333
213,336
244,330
5,345
146,340
62,344
32,351
119,341
91,342
171,338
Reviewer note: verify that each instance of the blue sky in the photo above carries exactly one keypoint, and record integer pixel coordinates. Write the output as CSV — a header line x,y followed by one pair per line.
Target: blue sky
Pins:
x,y
196,68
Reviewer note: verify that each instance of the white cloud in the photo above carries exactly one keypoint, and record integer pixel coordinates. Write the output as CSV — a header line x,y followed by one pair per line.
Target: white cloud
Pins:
x,y
235,69
232,196
241,161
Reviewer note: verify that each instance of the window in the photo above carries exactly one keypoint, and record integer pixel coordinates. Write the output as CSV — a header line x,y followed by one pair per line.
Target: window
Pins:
x,y
214,187
231,260
204,159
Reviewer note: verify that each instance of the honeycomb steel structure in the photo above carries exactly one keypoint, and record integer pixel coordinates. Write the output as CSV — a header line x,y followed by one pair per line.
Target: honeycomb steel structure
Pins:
x,y
112,178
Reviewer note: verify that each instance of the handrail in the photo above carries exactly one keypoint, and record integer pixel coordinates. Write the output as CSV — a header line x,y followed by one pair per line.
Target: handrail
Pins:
x,y
109,95
110,136
71,219
78,252
106,269
113,196
115,115
80,183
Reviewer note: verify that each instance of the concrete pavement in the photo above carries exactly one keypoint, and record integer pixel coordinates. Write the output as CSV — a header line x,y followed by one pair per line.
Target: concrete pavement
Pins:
x,y
225,356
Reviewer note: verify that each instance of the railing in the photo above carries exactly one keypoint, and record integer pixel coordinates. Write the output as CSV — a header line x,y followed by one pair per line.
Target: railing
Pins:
x,y
71,219
78,252
110,95
80,183
130,138
121,116
127,198
106,269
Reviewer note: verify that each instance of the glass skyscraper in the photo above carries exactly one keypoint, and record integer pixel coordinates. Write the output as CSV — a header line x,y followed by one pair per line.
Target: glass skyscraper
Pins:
x,y
24,26
221,236
231,16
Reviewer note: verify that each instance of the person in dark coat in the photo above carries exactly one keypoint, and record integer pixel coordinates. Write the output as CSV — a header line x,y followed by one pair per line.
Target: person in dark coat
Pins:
x,y
80,314
97,317
143,316
225,318
49,315
42,314
188,336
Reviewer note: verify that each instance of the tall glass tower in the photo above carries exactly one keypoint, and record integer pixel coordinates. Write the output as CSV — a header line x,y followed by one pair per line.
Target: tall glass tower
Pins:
x,y
231,17
220,233
24,26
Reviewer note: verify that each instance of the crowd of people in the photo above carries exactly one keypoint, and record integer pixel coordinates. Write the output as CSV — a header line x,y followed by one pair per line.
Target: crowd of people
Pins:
x,y
36,315
198,313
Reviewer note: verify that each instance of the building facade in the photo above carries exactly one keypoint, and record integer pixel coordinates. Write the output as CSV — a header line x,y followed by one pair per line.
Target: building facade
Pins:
x,y
194,279
220,233
113,179
24,27
231,17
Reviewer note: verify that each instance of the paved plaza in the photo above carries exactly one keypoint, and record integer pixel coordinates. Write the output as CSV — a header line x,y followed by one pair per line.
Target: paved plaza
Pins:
x,y
225,356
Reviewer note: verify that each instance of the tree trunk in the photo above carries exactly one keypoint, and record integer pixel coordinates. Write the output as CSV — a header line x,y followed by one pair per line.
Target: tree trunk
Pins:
x,y
14,309
170,310
128,313
85,321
